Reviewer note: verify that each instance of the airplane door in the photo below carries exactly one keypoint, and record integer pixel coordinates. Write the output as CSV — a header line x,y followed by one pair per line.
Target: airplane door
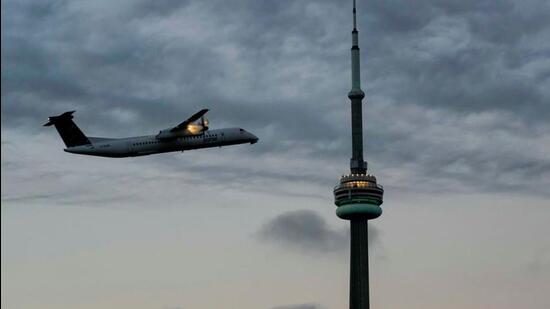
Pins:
x,y
131,147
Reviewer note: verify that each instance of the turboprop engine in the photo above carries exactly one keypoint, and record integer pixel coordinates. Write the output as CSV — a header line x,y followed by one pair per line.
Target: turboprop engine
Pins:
x,y
186,128
191,129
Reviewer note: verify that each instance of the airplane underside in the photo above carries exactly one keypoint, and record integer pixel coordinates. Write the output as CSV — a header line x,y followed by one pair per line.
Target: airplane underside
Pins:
x,y
100,150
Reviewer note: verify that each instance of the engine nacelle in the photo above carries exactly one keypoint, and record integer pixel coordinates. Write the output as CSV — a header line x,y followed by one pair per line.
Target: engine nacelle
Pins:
x,y
167,134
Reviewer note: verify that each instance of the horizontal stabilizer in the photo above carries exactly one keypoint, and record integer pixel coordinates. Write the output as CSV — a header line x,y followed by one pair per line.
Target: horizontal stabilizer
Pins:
x,y
53,119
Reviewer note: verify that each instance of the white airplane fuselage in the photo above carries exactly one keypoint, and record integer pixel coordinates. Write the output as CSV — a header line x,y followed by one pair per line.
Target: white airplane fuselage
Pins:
x,y
151,144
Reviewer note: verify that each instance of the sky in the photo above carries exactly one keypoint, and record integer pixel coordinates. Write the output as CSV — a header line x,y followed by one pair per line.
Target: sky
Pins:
x,y
456,128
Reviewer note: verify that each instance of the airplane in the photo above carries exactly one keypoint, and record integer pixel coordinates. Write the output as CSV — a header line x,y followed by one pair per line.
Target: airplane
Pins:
x,y
185,136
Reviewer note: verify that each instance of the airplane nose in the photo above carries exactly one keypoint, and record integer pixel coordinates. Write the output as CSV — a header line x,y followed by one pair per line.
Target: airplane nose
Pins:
x,y
253,138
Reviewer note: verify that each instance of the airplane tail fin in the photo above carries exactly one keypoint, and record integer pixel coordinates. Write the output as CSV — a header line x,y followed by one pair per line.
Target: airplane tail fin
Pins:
x,y
70,133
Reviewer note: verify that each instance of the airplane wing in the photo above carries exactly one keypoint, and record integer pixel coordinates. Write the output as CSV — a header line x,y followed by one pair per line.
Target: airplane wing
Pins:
x,y
195,117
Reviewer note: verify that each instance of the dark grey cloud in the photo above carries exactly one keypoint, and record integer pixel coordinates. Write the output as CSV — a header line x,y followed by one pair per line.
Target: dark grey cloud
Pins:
x,y
307,231
281,70
467,57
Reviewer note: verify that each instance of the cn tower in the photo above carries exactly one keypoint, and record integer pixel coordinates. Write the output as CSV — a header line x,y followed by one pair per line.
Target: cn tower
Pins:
x,y
358,197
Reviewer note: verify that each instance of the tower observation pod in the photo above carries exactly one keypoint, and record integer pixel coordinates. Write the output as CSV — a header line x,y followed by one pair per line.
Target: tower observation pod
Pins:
x,y
358,196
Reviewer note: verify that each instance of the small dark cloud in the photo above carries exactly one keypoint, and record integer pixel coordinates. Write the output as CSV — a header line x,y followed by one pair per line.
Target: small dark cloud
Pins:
x,y
300,306
306,230
30,197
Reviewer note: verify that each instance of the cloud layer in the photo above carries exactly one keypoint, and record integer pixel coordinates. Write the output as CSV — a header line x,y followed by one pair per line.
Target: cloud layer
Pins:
x,y
457,94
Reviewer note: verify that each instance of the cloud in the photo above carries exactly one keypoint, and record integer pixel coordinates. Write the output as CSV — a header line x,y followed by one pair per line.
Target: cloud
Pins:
x,y
307,231
300,306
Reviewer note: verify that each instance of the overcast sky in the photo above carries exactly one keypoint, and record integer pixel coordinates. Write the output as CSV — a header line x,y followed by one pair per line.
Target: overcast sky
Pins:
x,y
457,129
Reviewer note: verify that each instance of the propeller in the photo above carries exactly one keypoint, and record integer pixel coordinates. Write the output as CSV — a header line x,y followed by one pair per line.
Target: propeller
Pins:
x,y
191,119
204,123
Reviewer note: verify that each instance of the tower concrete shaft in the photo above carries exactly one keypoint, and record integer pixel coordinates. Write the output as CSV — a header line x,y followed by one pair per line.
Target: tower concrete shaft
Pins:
x,y
356,95
359,265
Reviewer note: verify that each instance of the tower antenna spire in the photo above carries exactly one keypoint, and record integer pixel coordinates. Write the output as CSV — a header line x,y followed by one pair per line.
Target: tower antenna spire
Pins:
x,y
354,17
356,95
